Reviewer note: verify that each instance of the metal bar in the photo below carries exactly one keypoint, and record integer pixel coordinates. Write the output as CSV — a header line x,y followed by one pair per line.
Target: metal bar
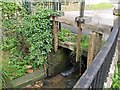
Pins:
x,y
82,7
100,60
60,10
54,5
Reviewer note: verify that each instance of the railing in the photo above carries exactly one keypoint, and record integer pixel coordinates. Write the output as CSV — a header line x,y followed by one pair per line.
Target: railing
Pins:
x,y
51,5
95,75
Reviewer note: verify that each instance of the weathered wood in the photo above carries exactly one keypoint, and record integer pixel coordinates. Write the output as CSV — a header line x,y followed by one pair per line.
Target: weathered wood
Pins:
x,y
78,47
98,43
91,48
55,33
96,73
28,79
97,27
65,21
70,22
95,42
68,45
86,26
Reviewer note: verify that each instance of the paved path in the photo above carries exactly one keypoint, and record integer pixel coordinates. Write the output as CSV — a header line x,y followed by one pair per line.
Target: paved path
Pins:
x,y
98,16
104,17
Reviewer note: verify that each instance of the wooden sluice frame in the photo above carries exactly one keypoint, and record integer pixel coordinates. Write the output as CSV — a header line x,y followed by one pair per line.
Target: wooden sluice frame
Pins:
x,y
95,38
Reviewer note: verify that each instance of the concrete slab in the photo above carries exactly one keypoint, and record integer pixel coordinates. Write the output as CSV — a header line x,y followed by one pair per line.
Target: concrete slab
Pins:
x,y
98,16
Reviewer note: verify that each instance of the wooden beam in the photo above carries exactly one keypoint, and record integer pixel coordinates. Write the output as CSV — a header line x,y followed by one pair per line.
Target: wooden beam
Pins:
x,y
97,27
95,43
70,22
66,21
55,33
78,46
86,26
28,79
68,45
91,48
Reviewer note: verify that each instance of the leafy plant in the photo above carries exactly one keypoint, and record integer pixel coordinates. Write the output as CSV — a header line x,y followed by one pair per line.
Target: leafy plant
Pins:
x,y
66,35
116,78
5,79
27,38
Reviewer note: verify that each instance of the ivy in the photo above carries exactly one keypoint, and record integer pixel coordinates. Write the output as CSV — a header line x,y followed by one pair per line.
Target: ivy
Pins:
x,y
27,38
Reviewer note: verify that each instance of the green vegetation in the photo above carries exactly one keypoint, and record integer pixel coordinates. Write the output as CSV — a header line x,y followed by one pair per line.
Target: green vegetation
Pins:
x,y
100,6
76,6
66,35
116,78
27,38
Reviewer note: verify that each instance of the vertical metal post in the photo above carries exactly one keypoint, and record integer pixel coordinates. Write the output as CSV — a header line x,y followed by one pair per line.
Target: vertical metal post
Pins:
x,y
79,21
27,6
60,10
82,7
54,5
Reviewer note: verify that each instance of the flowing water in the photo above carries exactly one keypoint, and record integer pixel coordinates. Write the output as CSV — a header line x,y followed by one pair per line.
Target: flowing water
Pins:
x,y
57,81
63,80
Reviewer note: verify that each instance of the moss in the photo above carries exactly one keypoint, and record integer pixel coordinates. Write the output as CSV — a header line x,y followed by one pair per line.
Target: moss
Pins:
x,y
59,61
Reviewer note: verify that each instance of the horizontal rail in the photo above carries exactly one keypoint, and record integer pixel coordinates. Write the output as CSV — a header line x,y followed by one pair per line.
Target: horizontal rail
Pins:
x,y
95,75
71,22
87,26
68,45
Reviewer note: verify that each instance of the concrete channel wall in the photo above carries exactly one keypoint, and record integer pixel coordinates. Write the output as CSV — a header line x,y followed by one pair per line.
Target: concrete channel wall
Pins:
x,y
119,45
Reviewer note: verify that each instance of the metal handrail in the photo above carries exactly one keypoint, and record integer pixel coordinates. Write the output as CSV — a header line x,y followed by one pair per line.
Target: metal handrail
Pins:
x,y
96,74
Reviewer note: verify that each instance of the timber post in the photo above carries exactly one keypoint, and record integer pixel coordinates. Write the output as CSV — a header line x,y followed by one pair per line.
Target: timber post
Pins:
x,y
55,33
78,46
95,43
79,21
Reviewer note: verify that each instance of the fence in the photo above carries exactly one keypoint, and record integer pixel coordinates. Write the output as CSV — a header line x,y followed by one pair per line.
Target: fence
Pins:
x,y
96,74
56,6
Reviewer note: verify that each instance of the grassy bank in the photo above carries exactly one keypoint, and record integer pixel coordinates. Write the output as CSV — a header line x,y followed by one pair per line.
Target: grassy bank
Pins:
x,y
76,6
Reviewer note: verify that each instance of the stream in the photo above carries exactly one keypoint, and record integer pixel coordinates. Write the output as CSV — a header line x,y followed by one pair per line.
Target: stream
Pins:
x,y
57,81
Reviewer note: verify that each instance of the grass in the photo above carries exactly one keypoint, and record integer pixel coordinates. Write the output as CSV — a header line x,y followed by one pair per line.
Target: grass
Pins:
x,y
76,6
116,78
100,6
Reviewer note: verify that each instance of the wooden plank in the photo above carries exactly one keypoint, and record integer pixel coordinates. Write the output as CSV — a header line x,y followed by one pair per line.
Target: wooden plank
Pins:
x,y
66,21
68,45
78,47
86,26
97,27
28,79
55,33
95,43
91,48
98,43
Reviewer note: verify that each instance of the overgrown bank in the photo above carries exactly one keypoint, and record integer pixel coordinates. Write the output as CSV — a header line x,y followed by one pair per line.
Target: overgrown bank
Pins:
x,y
27,38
